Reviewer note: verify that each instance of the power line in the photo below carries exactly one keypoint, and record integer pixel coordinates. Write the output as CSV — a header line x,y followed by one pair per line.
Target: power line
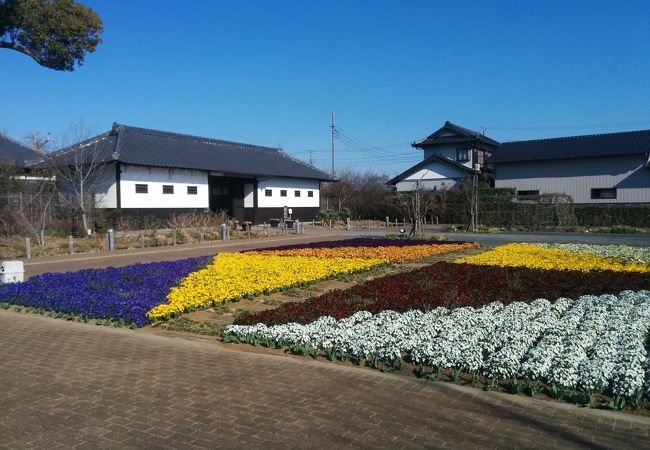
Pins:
x,y
570,127
364,148
371,159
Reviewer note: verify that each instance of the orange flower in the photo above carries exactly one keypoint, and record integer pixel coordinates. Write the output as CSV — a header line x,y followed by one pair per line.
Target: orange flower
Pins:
x,y
391,253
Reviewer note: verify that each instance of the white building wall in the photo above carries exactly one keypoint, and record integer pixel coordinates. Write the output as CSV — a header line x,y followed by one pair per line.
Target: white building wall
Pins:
x,y
290,185
410,186
249,195
155,178
436,170
435,174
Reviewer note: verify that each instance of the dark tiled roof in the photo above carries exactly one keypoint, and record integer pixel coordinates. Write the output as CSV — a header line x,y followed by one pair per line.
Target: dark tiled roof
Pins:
x,y
430,159
145,147
611,144
463,135
15,152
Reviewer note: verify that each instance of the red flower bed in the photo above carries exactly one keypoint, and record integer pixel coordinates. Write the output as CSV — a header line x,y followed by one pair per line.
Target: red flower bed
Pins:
x,y
452,285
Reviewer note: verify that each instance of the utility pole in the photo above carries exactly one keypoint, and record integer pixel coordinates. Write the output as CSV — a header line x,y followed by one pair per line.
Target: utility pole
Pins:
x,y
474,203
333,145
311,152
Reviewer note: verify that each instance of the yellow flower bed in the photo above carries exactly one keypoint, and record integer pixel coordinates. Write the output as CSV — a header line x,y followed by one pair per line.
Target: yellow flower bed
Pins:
x,y
233,275
536,257
390,253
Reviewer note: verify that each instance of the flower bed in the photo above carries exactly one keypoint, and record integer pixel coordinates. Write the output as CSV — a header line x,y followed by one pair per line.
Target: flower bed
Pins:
x,y
395,254
452,285
116,293
236,275
625,252
590,345
359,242
537,257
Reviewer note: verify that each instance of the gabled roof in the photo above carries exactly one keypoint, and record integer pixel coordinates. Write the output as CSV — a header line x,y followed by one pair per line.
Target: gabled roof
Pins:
x,y
426,162
610,144
12,151
454,134
146,147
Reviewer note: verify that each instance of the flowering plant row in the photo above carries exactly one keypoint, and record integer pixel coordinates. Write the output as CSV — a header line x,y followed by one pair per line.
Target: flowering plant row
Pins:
x,y
116,293
625,252
360,242
452,285
537,257
592,344
234,275
395,254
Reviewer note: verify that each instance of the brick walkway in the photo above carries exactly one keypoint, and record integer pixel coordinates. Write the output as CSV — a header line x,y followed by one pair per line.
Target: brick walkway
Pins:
x,y
68,385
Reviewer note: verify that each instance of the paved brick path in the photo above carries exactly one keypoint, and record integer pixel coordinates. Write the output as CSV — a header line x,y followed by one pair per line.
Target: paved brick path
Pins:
x,y
66,384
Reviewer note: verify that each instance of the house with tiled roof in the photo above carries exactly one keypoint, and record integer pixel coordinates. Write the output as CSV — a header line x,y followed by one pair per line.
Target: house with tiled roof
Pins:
x,y
612,168
450,154
152,172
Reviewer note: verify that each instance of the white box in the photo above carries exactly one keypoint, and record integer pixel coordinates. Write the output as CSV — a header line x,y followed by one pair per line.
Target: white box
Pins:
x,y
12,272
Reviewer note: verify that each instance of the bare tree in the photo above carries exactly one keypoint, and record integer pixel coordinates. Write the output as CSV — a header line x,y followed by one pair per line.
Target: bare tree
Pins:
x,y
339,192
34,214
36,194
417,205
365,195
8,182
78,168
39,143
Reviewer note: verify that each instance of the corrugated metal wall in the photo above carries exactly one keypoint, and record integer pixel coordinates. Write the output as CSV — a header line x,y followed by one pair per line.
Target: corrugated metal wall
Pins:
x,y
577,177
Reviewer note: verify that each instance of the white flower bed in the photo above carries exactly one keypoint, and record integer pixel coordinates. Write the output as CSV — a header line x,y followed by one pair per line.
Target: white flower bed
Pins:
x,y
626,252
594,344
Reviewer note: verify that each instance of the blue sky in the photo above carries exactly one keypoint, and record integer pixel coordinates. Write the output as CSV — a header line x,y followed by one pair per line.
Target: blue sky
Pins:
x,y
271,72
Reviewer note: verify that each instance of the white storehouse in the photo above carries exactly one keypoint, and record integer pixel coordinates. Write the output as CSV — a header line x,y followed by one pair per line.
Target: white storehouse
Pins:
x,y
150,172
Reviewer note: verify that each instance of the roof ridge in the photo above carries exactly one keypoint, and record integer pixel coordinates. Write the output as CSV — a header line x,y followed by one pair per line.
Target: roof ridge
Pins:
x,y
293,158
204,139
475,133
411,170
581,136
84,143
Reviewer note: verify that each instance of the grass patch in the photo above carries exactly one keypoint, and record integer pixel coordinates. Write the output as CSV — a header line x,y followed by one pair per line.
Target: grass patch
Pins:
x,y
191,326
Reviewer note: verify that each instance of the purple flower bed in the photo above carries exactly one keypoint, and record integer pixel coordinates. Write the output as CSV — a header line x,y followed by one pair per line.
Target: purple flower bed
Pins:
x,y
117,293
359,242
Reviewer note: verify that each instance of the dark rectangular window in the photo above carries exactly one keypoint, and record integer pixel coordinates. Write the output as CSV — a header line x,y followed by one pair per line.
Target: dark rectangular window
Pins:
x,y
310,193
168,189
268,193
192,190
296,193
283,192
141,188
603,193
462,154
527,195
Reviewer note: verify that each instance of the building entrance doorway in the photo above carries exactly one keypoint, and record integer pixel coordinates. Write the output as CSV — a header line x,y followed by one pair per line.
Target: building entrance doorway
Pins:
x,y
227,194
